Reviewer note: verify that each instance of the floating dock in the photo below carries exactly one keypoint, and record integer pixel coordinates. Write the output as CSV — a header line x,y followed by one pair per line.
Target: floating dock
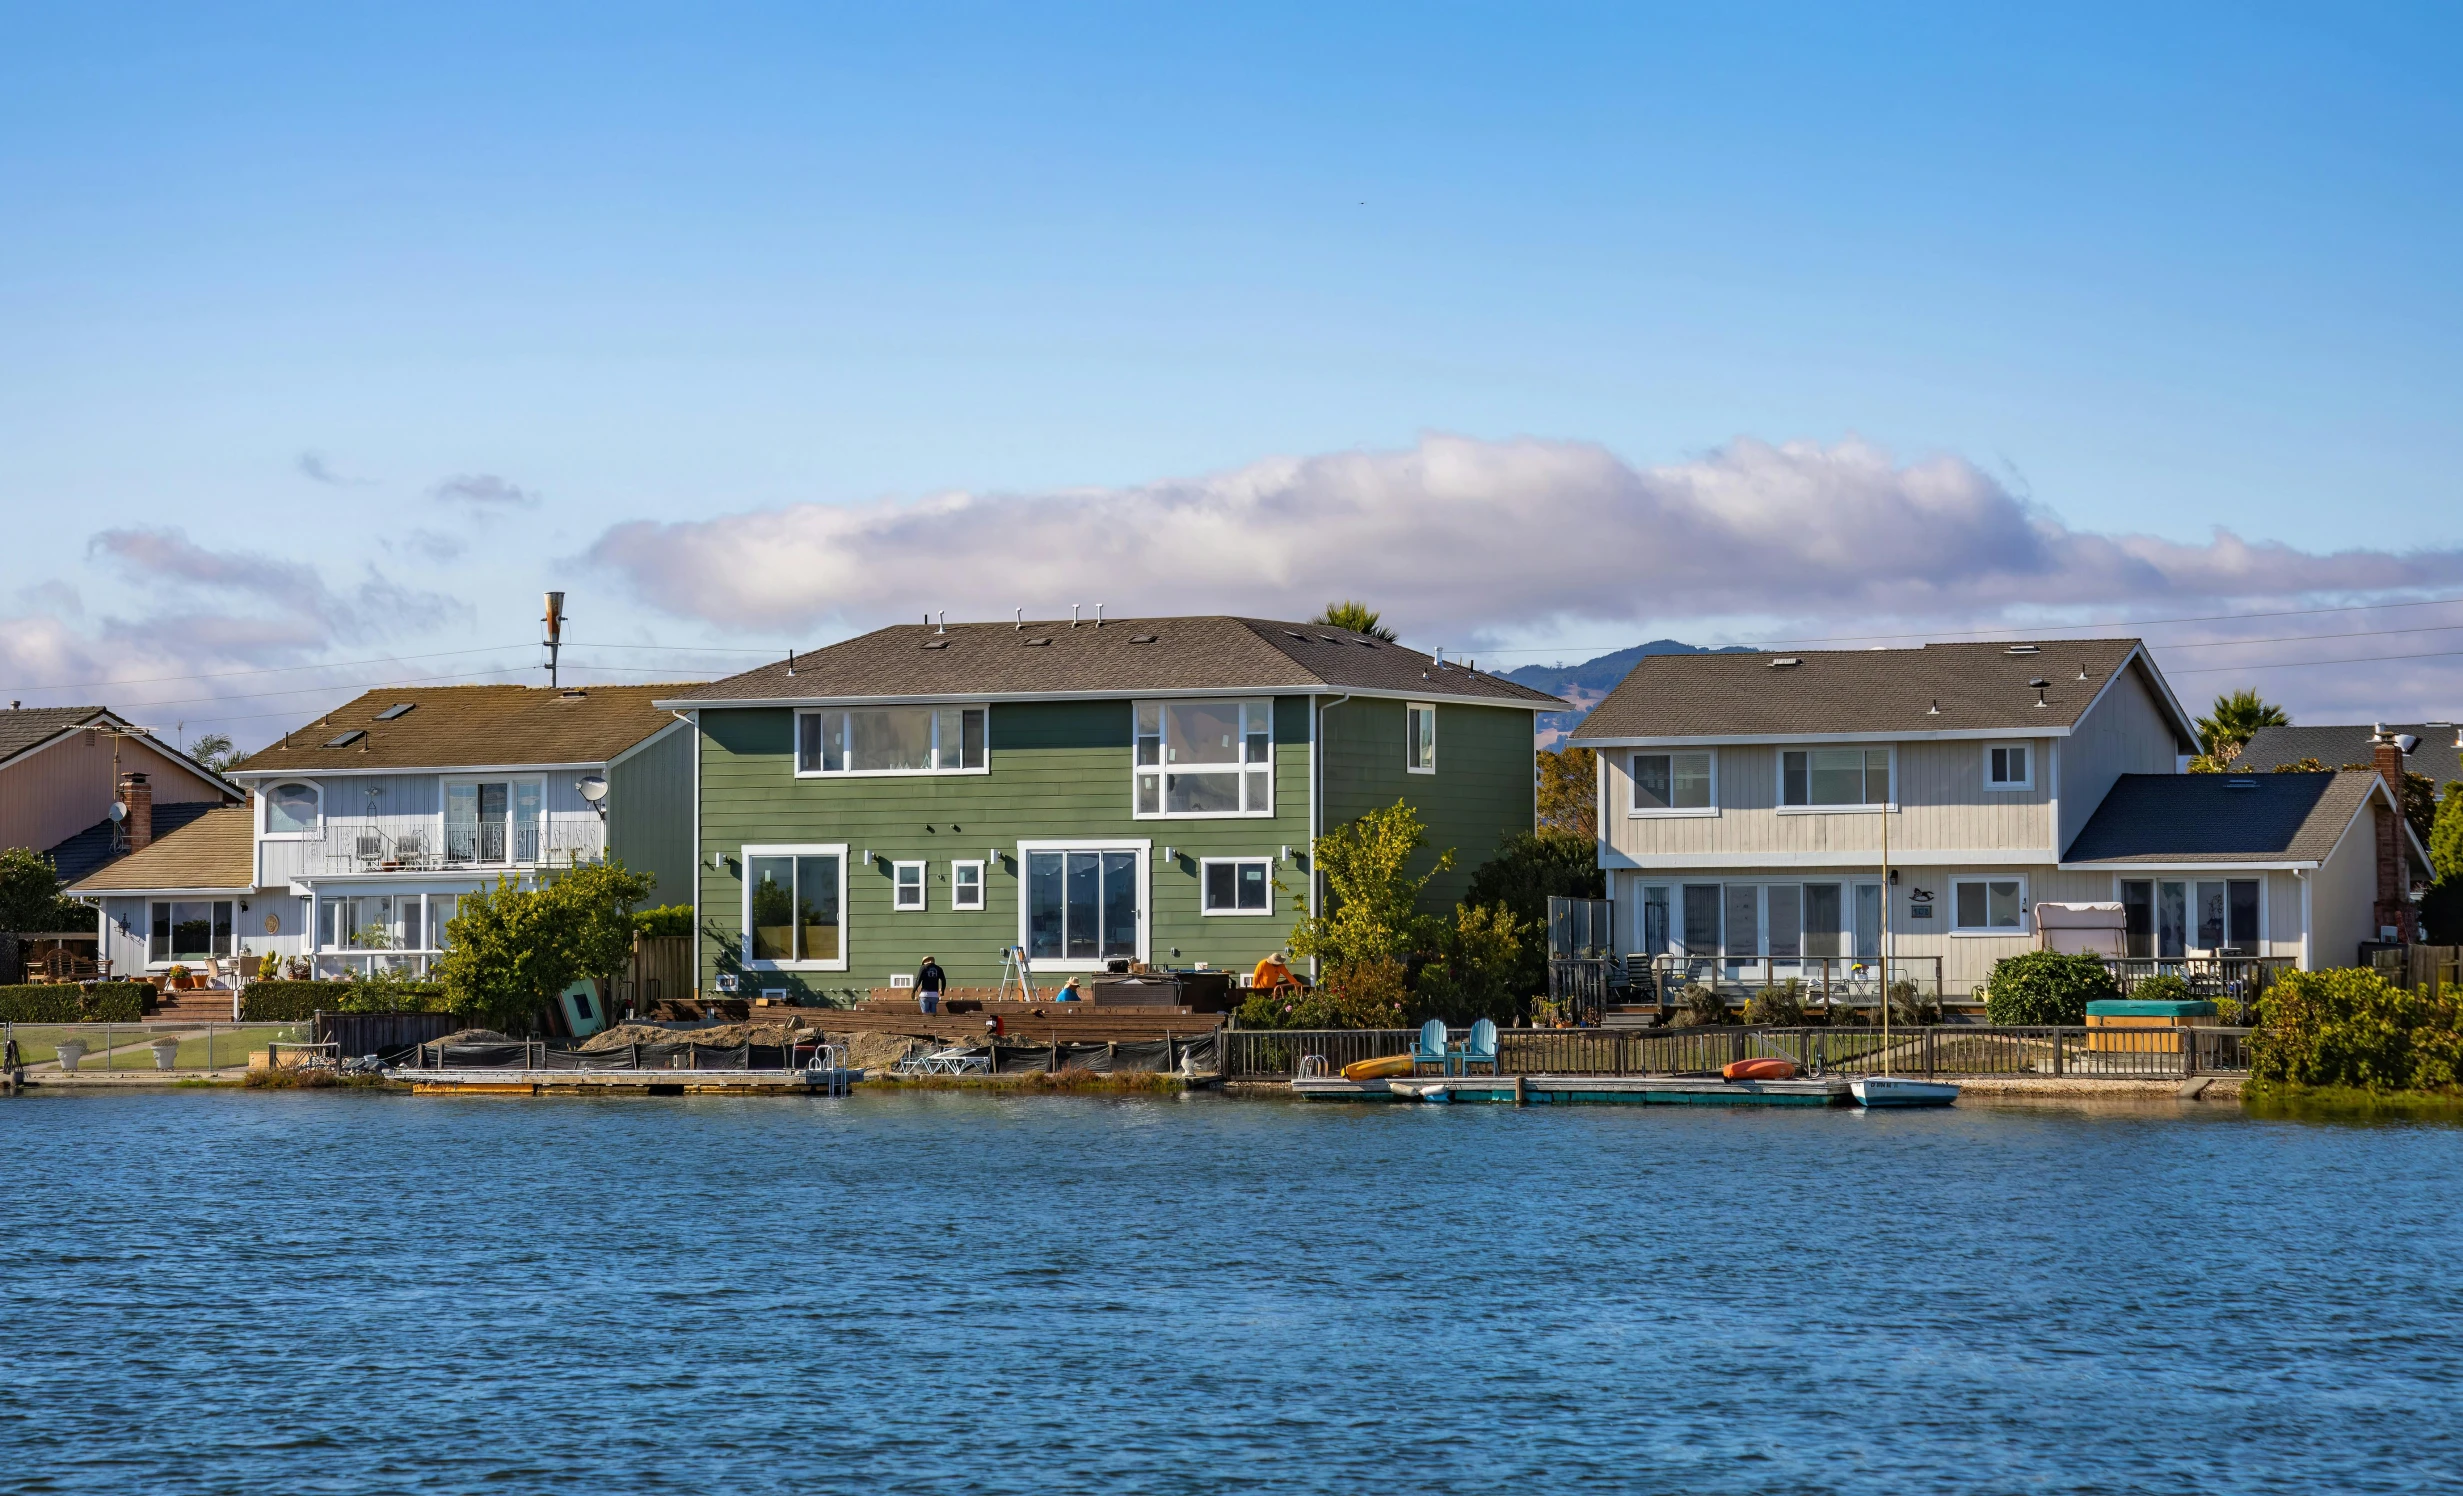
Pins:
x,y
511,1082
1569,1090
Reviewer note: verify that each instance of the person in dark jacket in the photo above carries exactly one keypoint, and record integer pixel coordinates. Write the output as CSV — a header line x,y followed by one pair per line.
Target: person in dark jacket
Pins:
x,y
928,982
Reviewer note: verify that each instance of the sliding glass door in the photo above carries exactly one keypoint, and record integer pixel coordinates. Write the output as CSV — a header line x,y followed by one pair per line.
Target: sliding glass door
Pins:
x,y
1084,905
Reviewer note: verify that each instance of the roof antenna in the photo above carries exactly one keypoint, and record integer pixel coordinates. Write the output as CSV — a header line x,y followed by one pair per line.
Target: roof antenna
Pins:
x,y
553,621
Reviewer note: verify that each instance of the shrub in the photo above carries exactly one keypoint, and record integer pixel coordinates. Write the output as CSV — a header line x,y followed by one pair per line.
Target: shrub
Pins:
x,y
1701,1004
1780,1005
665,920
291,1002
2166,988
1474,973
1527,869
66,1002
2043,987
2351,1027
1361,994
1910,1004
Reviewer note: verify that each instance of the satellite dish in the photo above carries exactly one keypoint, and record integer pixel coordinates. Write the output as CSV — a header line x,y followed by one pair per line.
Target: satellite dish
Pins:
x,y
593,788
119,810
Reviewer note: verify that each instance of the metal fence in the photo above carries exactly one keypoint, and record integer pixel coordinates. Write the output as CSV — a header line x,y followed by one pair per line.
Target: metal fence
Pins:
x,y
1947,1050
112,1048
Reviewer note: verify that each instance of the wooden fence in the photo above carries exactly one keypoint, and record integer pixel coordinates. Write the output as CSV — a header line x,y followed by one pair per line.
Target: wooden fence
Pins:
x,y
662,969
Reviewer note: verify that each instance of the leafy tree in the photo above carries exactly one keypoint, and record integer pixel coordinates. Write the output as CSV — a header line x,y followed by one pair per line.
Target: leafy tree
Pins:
x,y
1355,995
666,919
2233,720
1569,792
1524,874
2046,987
1372,907
1360,618
214,750
1475,971
515,950
30,901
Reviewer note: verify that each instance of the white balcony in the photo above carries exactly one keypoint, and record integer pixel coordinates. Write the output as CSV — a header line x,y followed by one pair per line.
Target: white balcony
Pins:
x,y
391,847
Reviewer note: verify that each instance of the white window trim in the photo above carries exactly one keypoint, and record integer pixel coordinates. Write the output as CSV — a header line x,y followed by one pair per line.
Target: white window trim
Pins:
x,y
1204,863
1411,738
982,894
1237,772
1145,902
2026,909
1985,763
442,820
1778,783
846,918
431,928
923,888
265,813
795,741
1637,811
147,902
2266,904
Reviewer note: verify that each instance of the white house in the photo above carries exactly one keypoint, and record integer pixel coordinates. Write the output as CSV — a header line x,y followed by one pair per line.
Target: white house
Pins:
x,y
1748,804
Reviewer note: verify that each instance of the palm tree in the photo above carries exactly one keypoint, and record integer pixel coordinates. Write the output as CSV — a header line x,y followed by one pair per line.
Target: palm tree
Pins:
x,y
213,750
1360,618
2235,720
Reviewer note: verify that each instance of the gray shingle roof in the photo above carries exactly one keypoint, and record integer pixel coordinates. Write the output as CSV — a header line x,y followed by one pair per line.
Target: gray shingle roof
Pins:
x,y
23,727
1937,688
1124,656
2436,755
2222,817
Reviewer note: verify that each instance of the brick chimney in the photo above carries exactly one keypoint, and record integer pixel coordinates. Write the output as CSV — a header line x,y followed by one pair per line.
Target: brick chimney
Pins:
x,y
2391,907
138,796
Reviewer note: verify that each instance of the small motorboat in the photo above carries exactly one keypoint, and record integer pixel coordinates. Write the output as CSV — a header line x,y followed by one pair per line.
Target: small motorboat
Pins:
x,y
1891,1090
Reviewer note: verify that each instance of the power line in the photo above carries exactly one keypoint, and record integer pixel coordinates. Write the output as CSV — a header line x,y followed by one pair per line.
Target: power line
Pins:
x,y
2442,654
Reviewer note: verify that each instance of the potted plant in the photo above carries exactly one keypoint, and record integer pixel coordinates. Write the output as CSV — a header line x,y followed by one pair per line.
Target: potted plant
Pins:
x,y
176,978
166,1052
71,1051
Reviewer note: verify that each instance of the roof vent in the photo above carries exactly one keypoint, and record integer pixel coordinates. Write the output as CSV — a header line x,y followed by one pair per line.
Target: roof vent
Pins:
x,y
2040,685
346,739
936,644
1936,708
1295,634
2240,784
398,709
2024,649
1785,660
1142,639
1329,638
572,693
1031,643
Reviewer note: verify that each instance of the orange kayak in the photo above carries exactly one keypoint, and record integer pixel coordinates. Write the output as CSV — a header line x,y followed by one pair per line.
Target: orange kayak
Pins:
x,y
1762,1069
1391,1065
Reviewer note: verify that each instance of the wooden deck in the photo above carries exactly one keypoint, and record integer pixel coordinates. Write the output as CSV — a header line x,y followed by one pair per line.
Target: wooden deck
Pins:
x,y
624,1082
1570,1090
1065,1023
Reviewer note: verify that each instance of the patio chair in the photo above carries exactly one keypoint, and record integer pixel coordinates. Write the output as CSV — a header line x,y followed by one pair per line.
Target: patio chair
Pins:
x,y
368,848
1482,1050
1431,1048
411,849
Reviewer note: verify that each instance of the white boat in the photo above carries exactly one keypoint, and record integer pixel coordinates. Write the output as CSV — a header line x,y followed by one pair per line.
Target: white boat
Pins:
x,y
1890,1090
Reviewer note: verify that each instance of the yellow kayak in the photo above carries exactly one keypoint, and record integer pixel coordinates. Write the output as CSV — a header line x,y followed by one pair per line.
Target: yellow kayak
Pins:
x,y
1391,1065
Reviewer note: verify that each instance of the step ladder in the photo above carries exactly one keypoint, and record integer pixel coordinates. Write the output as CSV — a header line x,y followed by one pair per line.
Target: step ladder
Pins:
x,y
1014,967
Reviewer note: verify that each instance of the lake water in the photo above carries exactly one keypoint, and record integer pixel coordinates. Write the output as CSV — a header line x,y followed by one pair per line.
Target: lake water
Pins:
x,y
219,1291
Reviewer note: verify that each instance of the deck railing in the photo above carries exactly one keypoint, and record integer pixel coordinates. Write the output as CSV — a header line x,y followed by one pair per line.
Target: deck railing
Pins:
x,y
1847,981
377,846
2238,978
1938,1050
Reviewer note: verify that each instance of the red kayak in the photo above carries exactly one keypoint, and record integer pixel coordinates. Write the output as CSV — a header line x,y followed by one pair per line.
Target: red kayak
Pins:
x,y
1762,1069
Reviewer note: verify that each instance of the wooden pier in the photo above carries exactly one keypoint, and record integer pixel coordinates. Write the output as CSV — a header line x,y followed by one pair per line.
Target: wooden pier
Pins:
x,y
516,1082
1571,1090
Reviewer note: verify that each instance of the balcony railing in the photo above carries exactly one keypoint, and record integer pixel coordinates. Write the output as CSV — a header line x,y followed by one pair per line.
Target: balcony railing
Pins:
x,y
1851,980
374,847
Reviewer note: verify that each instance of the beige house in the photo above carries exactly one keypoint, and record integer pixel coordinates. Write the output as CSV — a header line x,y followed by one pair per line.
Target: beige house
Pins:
x,y
1756,811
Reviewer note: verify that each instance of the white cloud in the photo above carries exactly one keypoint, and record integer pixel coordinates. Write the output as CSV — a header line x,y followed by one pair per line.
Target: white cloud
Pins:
x,y
1465,540
302,610
484,489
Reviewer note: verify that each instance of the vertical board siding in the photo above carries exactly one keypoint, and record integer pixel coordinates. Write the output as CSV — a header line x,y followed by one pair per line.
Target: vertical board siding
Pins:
x,y
1059,770
2127,732
49,796
650,815
1484,791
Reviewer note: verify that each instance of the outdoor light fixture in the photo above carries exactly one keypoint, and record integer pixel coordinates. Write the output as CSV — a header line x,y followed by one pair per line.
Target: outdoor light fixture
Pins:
x,y
1171,854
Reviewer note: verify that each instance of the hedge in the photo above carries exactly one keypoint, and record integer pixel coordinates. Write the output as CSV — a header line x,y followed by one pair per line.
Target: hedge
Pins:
x,y
67,1002
2046,987
292,1002
2351,1028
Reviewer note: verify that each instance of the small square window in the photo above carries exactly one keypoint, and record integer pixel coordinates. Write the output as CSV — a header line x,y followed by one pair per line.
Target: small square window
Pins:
x,y
966,885
1238,885
1987,904
2009,766
908,880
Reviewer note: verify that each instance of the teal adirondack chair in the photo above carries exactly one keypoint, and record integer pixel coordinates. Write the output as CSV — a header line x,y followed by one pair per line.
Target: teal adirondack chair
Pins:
x,y
1482,1050
1431,1048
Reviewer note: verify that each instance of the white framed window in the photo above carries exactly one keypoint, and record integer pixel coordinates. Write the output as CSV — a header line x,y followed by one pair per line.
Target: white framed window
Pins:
x,y
2009,766
493,821
1203,758
863,740
1235,885
1988,906
1684,783
1082,904
1420,742
906,881
1819,779
966,885
795,900
2172,917
292,808
188,930
1781,922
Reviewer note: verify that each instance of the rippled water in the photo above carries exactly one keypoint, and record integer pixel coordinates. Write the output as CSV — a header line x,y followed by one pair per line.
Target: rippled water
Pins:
x,y
302,1292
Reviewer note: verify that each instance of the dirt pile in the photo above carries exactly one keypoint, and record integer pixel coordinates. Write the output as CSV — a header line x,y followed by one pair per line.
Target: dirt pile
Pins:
x,y
477,1036
724,1036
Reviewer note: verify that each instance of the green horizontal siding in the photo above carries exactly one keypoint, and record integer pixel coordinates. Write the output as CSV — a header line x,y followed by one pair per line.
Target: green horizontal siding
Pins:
x,y
1058,771
1482,793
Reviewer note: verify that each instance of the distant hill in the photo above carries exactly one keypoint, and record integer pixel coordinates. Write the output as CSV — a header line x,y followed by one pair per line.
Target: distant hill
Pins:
x,y
1586,684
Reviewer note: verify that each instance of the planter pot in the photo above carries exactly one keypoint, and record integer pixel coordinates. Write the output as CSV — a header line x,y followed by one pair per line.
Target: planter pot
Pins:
x,y
71,1051
166,1052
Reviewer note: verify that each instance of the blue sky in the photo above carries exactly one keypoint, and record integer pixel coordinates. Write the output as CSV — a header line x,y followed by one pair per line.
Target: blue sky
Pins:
x,y
335,337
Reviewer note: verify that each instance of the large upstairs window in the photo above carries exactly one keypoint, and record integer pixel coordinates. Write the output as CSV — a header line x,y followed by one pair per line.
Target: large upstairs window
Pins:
x,y
1834,778
891,740
1204,758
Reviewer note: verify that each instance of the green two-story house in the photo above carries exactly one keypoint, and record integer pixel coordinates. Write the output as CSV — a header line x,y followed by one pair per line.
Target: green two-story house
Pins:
x,y
1139,790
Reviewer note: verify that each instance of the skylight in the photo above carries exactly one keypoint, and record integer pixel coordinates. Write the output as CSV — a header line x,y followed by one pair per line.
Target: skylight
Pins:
x,y
399,708
346,739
